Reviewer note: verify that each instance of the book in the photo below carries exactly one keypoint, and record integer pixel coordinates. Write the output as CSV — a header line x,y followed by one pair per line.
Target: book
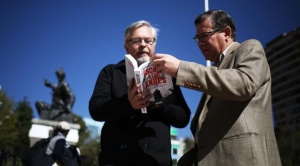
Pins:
x,y
161,85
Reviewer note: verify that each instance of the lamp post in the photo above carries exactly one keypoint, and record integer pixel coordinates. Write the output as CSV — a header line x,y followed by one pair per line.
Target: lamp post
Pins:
x,y
206,9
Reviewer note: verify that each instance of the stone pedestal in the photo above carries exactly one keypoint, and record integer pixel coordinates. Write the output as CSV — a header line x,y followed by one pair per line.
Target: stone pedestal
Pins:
x,y
56,115
41,129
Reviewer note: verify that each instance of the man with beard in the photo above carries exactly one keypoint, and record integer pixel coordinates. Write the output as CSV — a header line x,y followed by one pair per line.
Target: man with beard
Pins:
x,y
130,138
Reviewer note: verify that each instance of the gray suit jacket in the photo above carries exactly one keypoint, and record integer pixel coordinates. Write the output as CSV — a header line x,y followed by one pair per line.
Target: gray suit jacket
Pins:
x,y
238,127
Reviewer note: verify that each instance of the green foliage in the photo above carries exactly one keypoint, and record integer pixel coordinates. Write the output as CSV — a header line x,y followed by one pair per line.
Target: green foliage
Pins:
x,y
83,131
24,114
90,152
89,149
9,133
189,143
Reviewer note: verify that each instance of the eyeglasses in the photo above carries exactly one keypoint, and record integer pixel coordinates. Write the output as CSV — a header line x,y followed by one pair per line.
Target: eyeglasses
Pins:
x,y
138,41
204,36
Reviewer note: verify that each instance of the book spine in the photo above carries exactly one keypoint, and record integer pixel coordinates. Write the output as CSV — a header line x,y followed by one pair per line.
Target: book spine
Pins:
x,y
138,81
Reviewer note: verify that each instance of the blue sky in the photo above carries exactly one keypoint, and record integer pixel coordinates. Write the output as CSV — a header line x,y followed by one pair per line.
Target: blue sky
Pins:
x,y
37,37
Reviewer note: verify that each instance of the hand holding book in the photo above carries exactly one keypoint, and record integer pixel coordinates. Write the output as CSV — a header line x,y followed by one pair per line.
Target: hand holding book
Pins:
x,y
138,99
146,75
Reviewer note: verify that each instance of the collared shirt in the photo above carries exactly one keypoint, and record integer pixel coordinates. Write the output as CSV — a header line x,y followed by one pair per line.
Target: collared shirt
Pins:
x,y
224,52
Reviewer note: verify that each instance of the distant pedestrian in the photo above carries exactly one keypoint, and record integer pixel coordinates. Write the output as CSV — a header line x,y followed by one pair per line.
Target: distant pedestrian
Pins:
x,y
57,145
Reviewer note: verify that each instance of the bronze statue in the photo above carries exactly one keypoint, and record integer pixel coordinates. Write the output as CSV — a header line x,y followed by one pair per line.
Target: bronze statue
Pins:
x,y
62,101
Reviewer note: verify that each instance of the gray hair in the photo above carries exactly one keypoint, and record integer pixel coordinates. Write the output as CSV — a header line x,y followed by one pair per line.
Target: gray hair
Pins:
x,y
137,25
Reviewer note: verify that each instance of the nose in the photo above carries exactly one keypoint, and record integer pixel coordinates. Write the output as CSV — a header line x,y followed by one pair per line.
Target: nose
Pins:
x,y
143,43
201,43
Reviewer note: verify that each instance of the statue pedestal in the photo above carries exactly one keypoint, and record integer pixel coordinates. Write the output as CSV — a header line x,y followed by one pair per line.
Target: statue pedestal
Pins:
x,y
56,115
41,129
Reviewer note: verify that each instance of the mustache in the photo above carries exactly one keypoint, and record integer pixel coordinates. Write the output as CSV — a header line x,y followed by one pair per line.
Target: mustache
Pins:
x,y
142,51
141,60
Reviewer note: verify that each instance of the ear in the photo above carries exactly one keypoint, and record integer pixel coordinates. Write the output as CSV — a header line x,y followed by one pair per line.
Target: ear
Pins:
x,y
126,48
227,32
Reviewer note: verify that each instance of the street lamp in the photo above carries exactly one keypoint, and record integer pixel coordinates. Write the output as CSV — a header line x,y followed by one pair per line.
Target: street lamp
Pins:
x,y
206,9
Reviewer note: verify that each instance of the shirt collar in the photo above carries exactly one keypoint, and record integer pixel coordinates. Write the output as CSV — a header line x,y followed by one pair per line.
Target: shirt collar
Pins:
x,y
224,52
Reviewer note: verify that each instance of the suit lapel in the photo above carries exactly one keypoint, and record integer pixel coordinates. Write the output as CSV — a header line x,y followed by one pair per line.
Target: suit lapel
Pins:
x,y
195,120
229,55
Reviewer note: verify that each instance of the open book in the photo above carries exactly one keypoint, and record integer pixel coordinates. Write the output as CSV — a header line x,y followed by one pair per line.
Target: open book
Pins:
x,y
161,85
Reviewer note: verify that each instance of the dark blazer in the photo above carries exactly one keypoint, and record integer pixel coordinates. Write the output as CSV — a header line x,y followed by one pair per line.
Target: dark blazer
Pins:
x,y
238,128
129,137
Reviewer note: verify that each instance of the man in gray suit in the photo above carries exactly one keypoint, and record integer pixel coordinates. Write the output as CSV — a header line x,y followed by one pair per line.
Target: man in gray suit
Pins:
x,y
232,125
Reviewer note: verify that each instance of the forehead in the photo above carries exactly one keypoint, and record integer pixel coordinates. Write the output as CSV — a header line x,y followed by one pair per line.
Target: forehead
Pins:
x,y
204,26
143,31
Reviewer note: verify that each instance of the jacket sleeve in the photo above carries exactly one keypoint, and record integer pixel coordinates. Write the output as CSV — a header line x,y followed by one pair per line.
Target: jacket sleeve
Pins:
x,y
249,70
59,149
178,113
108,103
189,158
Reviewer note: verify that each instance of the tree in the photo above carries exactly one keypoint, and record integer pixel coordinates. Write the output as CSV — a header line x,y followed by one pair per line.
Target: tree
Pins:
x,y
189,142
83,131
9,133
90,151
24,114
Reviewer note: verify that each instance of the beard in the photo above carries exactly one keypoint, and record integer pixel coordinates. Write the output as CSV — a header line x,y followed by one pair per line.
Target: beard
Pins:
x,y
142,60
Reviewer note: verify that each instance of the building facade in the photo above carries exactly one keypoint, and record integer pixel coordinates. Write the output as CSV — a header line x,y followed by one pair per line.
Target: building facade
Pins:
x,y
283,54
178,146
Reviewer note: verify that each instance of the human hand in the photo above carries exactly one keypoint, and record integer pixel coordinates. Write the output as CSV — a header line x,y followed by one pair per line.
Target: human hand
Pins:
x,y
47,83
138,98
166,63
